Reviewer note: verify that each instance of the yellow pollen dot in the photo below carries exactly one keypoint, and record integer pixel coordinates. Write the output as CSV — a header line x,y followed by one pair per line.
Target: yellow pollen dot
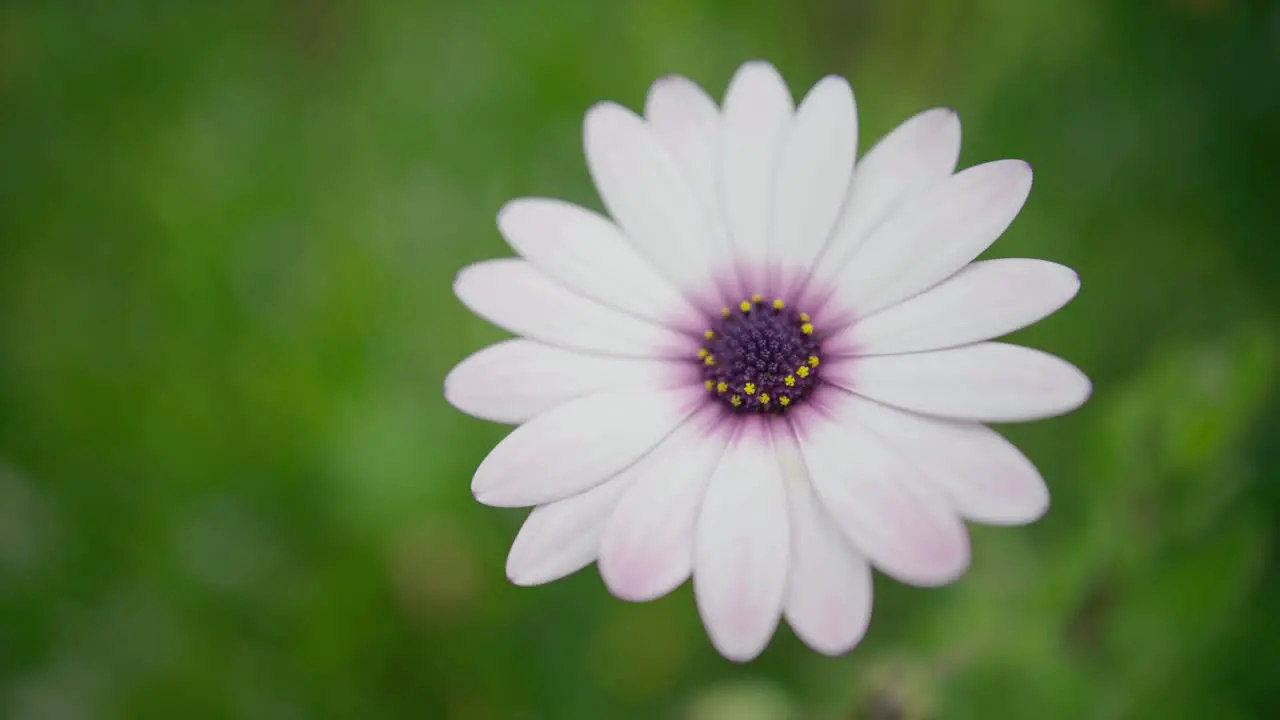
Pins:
x,y
710,360
709,384
745,306
722,386
802,371
757,298
703,352
749,388
804,317
764,398
784,401
778,304
735,401
807,329
710,334
726,312
813,361
790,380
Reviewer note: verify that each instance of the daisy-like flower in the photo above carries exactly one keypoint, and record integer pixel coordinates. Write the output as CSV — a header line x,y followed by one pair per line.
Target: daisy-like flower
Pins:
x,y
770,369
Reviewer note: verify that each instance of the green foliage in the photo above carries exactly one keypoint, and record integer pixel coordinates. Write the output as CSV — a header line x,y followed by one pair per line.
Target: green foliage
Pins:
x,y
229,484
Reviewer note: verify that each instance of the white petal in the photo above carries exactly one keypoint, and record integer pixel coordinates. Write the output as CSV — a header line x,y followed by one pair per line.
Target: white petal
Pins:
x,y
514,380
519,298
829,594
984,476
814,168
912,158
931,237
740,557
985,300
757,113
589,255
987,382
647,550
575,446
647,194
562,537
879,500
687,122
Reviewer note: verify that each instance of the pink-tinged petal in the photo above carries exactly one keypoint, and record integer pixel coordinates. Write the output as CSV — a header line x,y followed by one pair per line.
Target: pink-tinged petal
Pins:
x,y
829,594
757,112
986,382
881,502
578,445
647,549
648,195
931,237
514,380
588,254
985,300
815,165
742,539
687,122
918,154
984,476
561,538
519,298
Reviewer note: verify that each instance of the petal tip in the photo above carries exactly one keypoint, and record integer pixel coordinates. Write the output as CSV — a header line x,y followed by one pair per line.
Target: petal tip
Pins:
x,y
460,281
511,211
625,588
1021,174
602,117
944,118
671,82
1035,511
758,65
738,652
835,645
759,77
486,488
518,576
835,83
945,573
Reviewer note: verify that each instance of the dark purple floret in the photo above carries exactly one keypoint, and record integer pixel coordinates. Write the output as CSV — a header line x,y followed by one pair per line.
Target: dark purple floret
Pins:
x,y
761,357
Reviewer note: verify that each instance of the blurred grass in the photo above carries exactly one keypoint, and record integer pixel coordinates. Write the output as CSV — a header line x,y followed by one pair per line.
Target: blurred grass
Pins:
x,y
229,486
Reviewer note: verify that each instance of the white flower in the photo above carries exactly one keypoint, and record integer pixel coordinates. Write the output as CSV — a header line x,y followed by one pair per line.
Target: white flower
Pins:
x,y
769,370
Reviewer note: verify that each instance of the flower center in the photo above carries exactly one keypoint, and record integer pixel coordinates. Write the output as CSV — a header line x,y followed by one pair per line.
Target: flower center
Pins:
x,y
760,357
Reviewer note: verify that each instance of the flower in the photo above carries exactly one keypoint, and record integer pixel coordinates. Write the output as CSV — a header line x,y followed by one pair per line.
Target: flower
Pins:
x,y
769,371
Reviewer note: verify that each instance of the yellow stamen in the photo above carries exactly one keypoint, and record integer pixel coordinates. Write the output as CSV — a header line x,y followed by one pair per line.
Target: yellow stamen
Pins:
x,y
703,352
807,329
804,317
745,306
757,298
764,398
722,386
778,304
735,401
709,360
803,371
813,361
726,312
710,334
784,401
749,388
709,384
790,380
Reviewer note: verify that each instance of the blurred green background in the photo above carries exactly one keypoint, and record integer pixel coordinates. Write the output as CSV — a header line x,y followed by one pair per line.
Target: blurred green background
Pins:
x,y
229,484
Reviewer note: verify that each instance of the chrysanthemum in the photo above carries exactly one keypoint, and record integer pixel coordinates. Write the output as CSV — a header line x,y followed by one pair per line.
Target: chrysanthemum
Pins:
x,y
770,369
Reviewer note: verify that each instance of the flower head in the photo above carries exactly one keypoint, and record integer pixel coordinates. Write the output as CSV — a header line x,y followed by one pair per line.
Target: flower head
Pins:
x,y
769,369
